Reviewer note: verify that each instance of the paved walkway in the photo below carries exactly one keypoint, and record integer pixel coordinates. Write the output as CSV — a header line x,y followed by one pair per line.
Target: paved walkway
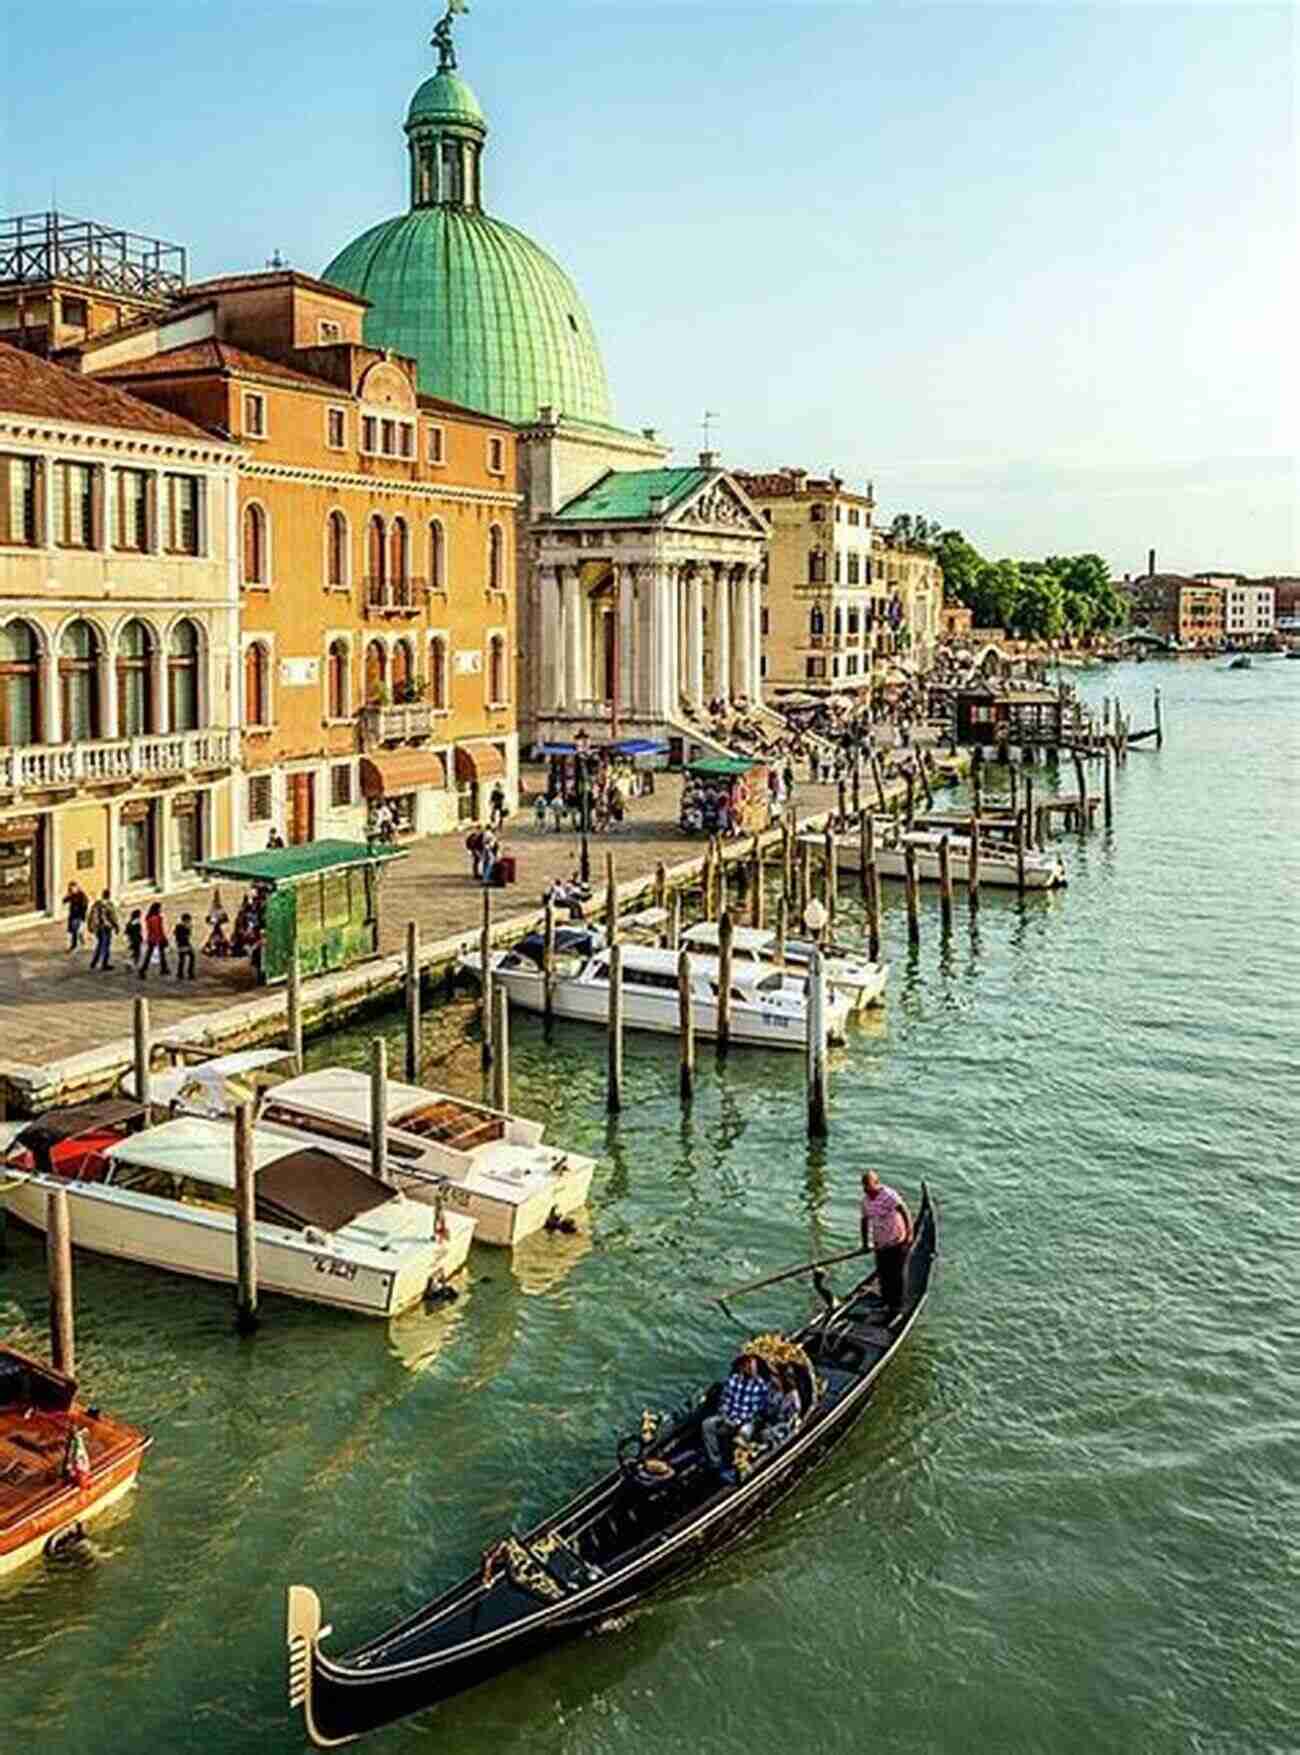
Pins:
x,y
52,1005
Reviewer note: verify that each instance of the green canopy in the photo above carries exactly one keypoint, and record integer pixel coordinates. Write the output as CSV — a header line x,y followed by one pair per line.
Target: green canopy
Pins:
x,y
285,865
723,767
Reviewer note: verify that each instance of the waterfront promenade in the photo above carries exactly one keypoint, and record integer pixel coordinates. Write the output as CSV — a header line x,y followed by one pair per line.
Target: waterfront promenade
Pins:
x,y
66,1031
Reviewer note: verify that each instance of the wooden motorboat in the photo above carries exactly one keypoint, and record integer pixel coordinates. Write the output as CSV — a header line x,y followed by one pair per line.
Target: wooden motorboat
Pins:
x,y
660,1512
61,1463
326,1230
999,863
769,1008
850,973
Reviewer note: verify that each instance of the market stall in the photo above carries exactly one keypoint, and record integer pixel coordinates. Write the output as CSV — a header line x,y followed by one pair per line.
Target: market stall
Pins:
x,y
725,795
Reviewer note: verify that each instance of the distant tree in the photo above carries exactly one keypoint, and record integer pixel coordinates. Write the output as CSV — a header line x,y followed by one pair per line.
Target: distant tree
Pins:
x,y
960,563
1039,609
914,530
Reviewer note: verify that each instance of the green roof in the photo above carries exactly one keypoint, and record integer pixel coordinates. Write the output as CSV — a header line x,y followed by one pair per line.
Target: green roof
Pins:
x,y
625,494
723,767
283,865
445,98
493,321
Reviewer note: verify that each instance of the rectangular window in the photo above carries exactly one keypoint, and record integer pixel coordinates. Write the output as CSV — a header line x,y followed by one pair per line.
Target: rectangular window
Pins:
x,y
259,798
369,427
814,667
137,845
437,445
132,522
341,785
387,445
182,514
254,415
74,505
336,428
763,622
18,520
817,514
330,331
497,456
74,313
406,441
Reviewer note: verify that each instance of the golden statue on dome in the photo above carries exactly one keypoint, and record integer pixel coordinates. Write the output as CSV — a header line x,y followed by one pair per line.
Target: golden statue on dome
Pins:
x,y
442,37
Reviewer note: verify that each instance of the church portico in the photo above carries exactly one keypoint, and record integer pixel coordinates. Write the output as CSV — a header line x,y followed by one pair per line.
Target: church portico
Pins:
x,y
647,596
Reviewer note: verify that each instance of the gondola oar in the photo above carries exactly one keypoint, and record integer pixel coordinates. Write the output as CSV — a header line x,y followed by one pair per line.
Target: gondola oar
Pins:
x,y
791,1273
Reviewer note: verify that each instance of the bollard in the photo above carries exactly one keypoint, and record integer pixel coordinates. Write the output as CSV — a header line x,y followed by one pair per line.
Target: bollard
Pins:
x,y
611,900
614,1096
913,899
832,879
685,1027
973,866
548,961
725,932
245,1222
143,1079
412,1002
379,1109
294,1001
1020,853
674,920
818,1103
945,882
501,1048
58,1265
485,997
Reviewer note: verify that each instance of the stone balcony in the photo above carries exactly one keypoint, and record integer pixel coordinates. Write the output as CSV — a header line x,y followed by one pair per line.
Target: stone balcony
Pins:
x,y
67,767
404,723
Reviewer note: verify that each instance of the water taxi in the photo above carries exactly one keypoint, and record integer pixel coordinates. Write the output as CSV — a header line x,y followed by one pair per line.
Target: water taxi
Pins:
x,y
848,971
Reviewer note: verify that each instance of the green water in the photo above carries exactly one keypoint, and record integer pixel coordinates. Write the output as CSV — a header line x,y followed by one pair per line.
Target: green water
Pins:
x,y
1072,1520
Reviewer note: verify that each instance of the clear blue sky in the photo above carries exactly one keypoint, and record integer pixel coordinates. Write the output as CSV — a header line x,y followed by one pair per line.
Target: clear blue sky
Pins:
x,y
1031,268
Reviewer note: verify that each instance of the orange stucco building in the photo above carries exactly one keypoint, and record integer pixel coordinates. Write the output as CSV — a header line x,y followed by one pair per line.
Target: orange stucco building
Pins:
x,y
374,541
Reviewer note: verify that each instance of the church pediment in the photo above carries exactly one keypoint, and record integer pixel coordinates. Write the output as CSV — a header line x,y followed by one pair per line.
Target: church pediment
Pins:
x,y
720,505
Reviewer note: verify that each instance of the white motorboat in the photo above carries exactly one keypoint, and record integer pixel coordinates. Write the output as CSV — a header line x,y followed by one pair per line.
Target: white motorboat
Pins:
x,y
768,1008
485,1163
861,981
998,864
327,1231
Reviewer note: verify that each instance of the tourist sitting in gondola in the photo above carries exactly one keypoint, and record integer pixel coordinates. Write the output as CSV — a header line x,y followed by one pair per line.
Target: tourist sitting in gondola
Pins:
x,y
741,1406
784,1408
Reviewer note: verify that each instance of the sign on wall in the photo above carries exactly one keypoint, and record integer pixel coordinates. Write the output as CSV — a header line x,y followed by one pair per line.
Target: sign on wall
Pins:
x,y
299,672
469,663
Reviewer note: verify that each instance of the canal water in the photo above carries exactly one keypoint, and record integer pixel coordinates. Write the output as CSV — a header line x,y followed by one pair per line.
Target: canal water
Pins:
x,y
1071,1521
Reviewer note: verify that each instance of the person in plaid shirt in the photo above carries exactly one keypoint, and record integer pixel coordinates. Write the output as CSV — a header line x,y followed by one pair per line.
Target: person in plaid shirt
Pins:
x,y
742,1404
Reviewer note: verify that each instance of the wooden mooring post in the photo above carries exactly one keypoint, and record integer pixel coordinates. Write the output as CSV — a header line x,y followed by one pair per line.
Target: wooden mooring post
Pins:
x,y
661,885
817,1070
379,1109
1160,729
614,1094
685,1027
726,933
1107,784
58,1267
245,1222
832,885
757,900
871,885
611,900
485,997
1082,778
923,769
973,866
1029,808
804,894
674,919
782,928
945,883
977,779
913,899
500,1047
412,1002
293,1001
878,775
143,1055
1020,853
909,807
548,962
787,859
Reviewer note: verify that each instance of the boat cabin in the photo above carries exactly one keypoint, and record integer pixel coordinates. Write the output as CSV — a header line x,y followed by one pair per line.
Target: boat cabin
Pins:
x,y
996,712
70,1142
335,1103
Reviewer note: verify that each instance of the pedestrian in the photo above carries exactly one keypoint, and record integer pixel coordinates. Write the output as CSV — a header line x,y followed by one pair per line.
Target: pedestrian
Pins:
x,y
217,919
497,812
133,933
185,948
474,847
489,852
155,939
886,1228
274,841
77,902
102,921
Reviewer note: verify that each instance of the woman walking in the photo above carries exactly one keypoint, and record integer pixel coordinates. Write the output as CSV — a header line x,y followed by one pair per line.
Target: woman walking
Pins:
x,y
77,902
155,939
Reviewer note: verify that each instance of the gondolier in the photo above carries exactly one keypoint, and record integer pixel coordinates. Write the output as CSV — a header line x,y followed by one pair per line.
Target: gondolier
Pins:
x,y
886,1228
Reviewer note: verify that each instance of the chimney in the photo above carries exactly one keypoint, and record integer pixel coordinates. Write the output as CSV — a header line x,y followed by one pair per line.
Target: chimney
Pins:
x,y
546,414
708,459
1151,563
651,433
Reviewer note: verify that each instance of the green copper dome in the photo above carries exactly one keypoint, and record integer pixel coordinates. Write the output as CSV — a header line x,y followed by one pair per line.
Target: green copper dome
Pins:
x,y
493,321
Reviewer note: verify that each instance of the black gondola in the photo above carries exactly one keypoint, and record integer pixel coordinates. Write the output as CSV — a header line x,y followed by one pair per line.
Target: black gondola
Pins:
x,y
660,1513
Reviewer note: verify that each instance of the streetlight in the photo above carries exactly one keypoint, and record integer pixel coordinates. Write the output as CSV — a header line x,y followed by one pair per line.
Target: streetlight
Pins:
x,y
584,804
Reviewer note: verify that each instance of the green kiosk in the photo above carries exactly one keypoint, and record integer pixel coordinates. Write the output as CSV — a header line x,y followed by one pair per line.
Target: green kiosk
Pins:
x,y
320,900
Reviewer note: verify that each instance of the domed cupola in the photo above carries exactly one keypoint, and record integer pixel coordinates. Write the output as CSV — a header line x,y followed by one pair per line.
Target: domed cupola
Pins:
x,y
492,320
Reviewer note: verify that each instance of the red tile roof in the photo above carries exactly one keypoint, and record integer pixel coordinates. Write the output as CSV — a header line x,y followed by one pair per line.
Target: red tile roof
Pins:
x,y
275,277
32,386
216,356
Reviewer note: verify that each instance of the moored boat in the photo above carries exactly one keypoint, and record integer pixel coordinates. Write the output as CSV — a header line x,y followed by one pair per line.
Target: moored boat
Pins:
x,y
660,1512
850,973
61,1463
998,863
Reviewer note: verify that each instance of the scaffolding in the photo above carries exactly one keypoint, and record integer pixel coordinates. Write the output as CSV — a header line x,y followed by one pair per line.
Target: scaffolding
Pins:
x,y
43,247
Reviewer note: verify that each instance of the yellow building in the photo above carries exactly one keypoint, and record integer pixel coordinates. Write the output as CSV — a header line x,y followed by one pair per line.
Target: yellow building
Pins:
x,y
914,579
376,558
118,635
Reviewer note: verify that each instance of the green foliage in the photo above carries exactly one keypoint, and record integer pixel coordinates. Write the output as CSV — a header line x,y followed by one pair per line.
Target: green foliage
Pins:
x,y
1039,610
1042,599
913,530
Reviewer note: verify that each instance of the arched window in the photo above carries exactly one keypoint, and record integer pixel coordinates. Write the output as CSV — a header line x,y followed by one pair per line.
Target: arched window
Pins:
x,y
438,672
183,677
496,559
497,694
257,684
816,621
338,680
376,673
20,685
403,678
135,680
376,552
437,557
79,655
336,551
399,557
256,555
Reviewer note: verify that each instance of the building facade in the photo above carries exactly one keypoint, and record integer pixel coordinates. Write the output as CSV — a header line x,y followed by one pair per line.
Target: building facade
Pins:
x,y
1249,608
119,630
916,579
1188,611
375,556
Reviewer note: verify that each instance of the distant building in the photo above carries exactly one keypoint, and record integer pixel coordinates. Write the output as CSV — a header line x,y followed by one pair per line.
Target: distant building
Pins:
x,y
1189,611
1249,608
917,578
64,280
955,621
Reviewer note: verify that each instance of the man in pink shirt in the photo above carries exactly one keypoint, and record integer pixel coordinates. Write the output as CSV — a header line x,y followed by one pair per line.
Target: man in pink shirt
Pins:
x,y
886,1228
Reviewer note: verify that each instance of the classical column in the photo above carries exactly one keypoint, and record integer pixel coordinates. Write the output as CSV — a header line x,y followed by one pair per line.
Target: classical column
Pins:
x,y
722,633
663,679
548,616
756,633
574,689
628,698
739,633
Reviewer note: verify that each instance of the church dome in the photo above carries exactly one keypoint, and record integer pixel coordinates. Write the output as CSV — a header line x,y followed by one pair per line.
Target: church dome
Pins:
x,y
492,320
